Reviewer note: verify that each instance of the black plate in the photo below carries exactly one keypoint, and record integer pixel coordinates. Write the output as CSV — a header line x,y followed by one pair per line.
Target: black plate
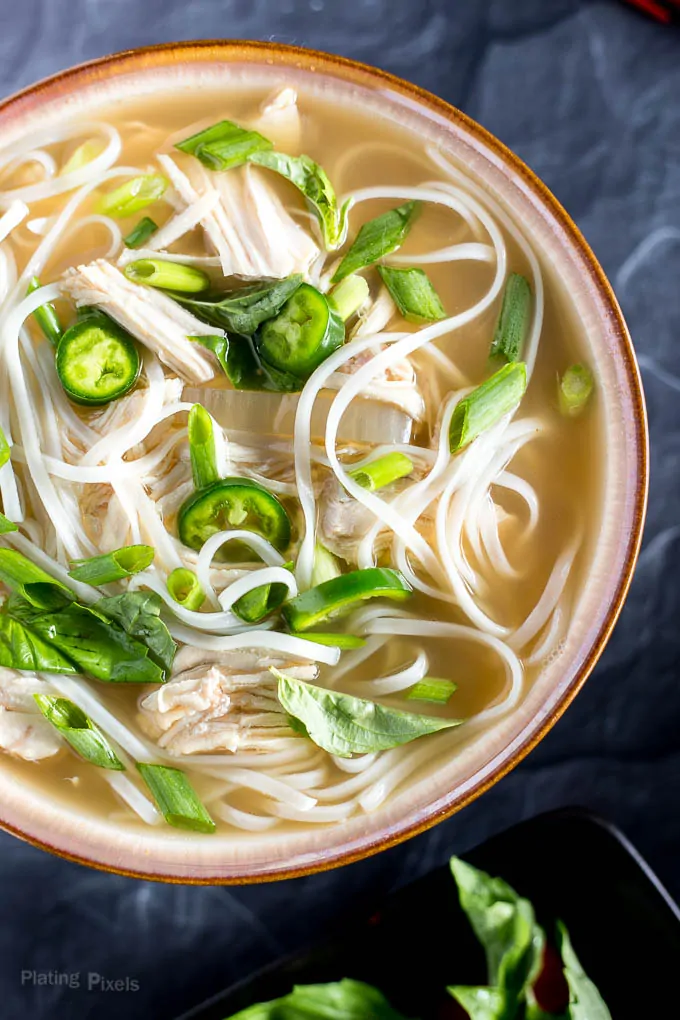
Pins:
x,y
571,864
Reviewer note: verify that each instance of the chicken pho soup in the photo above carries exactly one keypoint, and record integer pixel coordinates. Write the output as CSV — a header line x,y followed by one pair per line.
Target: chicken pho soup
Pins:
x,y
298,467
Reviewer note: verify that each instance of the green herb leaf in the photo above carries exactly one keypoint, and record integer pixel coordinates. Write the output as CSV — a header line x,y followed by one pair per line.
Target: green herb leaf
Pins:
x,y
505,925
176,798
585,1002
5,452
575,390
113,566
413,294
243,311
79,731
185,589
138,613
344,725
140,234
224,145
513,322
24,578
6,526
46,316
429,689
133,196
309,178
244,368
483,1003
21,649
487,404
377,238
340,1000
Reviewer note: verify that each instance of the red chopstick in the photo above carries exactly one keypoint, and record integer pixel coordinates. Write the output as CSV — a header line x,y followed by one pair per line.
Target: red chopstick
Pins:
x,y
665,11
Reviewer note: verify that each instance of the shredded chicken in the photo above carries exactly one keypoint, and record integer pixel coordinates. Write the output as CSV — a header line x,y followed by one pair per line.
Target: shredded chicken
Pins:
x,y
248,227
217,708
343,521
153,318
279,120
24,731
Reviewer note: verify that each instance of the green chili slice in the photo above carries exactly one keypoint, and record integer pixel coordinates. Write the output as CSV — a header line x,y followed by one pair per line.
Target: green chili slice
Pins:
x,y
79,731
185,589
97,360
113,566
140,234
166,275
513,322
233,503
487,404
46,316
342,594
176,798
304,333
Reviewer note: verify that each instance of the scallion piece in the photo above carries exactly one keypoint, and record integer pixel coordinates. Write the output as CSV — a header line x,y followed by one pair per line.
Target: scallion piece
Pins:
x,y
429,689
574,390
413,294
348,297
326,566
513,322
79,731
224,145
6,526
80,157
168,276
140,234
487,404
383,471
345,642
4,449
46,316
185,589
176,798
202,447
113,566
133,196
377,238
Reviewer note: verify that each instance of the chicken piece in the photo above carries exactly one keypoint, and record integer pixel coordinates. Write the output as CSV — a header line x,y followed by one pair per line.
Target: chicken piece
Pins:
x,y
280,121
216,708
153,318
248,228
24,731
343,521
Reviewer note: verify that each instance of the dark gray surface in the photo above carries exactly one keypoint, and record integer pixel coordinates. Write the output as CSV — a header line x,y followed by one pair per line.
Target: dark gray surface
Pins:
x,y
589,95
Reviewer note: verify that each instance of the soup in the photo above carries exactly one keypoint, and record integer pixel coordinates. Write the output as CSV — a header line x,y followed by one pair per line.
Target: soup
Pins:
x,y
299,462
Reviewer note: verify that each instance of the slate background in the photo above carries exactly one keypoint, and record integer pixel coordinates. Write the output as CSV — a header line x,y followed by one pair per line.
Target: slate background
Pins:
x,y
588,94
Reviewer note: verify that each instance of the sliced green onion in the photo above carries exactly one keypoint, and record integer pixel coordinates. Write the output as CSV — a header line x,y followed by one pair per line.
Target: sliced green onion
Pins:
x,y
46,316
348,297
339,596
168,276
176,798
79,731
346,642
377,238
81,156
185,589
202,447
133,196
6,526
513,322
326,566
224,145
487,404
140,234
429,689
113,566
24,578
383,471
574,390
4,449
413,294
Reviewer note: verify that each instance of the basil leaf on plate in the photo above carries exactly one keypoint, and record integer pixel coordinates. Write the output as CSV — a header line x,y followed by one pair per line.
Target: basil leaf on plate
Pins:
x,y
339,1000
309,178
377,238
242,311
344,725
585,1002
505,925
139,614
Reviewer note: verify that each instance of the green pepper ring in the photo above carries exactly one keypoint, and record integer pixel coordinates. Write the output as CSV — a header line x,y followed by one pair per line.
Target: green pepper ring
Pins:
x,y
199,516
97,343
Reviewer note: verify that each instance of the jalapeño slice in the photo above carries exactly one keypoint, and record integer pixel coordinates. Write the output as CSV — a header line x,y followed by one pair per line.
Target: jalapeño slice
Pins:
x,y
97,360
230,504
304,333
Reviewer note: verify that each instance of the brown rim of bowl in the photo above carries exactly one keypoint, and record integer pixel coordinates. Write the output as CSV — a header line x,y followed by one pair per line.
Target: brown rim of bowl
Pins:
x,y
313,60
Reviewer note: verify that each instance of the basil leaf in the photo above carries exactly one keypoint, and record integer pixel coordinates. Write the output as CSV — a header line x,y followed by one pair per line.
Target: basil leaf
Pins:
x,y
378,238
585,1002
242,311
224,145
340,1000
6,525
243,366
4,449
482,1003
138,613
79,731
344,725
24,578
309,178
21,649
89,641
505,925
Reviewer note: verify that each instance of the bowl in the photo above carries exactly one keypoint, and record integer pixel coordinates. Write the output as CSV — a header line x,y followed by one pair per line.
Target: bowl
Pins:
x,y
174,857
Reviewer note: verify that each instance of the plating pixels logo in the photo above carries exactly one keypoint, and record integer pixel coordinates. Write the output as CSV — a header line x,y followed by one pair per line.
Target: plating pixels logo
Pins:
x,y
92,981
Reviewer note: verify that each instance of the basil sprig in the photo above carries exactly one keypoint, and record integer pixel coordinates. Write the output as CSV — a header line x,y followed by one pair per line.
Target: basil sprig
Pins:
x,y
377,238
339,1000
585,1002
